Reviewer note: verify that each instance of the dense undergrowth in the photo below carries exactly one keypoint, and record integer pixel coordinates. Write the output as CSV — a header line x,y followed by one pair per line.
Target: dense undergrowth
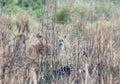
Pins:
x,y
60,42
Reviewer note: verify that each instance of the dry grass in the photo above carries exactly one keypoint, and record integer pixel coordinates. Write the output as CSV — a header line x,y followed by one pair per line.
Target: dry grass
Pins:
x,y
91,61
58,54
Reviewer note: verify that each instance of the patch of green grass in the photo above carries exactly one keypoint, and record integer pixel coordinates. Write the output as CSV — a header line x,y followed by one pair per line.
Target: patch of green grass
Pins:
x,y
12,9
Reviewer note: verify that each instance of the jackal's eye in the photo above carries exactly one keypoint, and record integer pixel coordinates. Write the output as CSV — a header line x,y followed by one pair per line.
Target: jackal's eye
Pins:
x,y
61,40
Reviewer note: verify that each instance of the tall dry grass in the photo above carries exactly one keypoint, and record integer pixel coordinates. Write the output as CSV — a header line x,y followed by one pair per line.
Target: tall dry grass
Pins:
x,y
90,61
73,57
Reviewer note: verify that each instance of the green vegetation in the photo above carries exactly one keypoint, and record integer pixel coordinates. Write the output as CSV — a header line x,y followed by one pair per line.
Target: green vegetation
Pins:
x,y
63,15
15,6
85,8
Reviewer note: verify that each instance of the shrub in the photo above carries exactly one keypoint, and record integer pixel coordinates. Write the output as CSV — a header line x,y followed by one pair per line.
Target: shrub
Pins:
x,y
115,1
82,10
62,16
12,9
104,9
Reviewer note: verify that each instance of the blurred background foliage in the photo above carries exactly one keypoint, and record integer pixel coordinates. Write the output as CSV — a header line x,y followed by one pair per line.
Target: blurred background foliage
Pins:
x,y
15,6
82,7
